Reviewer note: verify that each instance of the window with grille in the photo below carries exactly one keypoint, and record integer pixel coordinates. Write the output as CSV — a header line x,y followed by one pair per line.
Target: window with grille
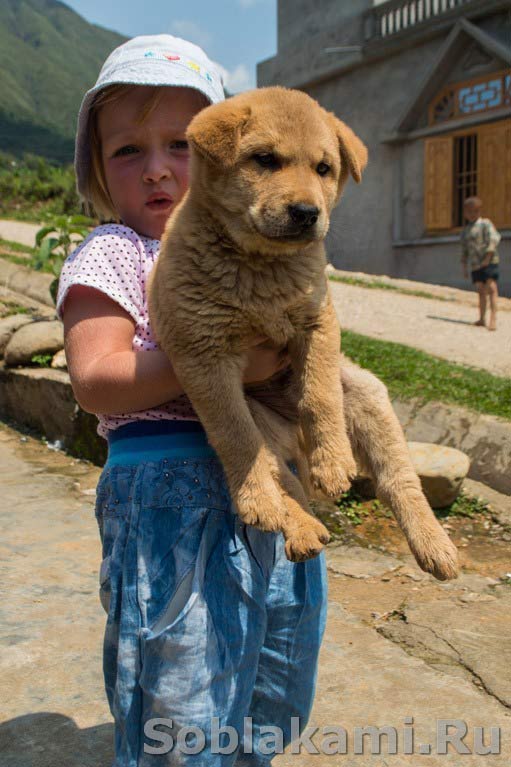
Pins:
x,y
465,173
460,164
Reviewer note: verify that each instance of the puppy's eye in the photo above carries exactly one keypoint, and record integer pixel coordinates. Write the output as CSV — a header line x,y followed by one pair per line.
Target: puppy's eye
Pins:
x,y
267,160
322,169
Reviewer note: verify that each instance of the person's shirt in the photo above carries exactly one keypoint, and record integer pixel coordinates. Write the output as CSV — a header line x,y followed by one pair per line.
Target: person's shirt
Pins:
x,y
117,261
478,239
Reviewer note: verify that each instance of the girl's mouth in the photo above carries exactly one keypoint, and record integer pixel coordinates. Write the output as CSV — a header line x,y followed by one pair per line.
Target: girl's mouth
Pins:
x,y
159,202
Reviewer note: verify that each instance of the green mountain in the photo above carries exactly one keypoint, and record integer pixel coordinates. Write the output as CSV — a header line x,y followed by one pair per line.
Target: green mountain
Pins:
x,y
49,56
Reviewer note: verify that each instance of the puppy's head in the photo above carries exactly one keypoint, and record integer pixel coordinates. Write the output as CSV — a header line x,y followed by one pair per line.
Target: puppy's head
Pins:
x,y
272,164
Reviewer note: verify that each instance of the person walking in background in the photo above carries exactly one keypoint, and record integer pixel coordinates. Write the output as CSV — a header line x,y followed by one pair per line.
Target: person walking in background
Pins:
x,y
479,241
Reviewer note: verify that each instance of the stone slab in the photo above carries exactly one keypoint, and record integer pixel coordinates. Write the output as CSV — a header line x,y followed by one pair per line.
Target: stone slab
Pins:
x,y
359,562
42,399
21,279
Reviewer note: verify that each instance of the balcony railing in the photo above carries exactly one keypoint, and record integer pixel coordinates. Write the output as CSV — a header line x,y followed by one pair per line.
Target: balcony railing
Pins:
x,y
395,16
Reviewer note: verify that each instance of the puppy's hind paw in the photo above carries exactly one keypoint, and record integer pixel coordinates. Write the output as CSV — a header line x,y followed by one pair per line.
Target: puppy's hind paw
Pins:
x,y
440,558
331,480
307,543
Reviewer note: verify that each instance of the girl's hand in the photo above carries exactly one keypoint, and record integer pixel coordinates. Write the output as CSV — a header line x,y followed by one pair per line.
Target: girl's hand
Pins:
x,y
264,359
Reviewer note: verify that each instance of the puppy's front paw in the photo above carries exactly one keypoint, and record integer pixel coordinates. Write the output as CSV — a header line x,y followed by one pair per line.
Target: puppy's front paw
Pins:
x,y
261,506
329,476
306,542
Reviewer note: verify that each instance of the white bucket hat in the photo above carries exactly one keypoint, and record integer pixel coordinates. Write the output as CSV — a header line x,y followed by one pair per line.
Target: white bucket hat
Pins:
x,y
147,60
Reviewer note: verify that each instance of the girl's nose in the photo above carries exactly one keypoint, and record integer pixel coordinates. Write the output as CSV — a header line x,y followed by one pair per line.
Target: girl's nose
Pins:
x,y
157,167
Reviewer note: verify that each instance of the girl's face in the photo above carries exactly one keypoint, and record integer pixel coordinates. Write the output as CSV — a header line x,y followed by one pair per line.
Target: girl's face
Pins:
x,y
146,163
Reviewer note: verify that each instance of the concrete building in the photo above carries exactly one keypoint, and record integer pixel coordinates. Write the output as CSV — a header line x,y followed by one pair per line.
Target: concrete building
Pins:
x,y
427,85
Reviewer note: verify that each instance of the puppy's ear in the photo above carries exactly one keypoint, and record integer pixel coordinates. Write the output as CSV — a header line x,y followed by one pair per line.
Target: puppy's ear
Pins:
x,y
216,131
353,151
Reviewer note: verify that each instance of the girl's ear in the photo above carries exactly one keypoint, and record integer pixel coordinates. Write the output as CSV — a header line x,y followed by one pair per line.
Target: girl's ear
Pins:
x,y
353,151
216,131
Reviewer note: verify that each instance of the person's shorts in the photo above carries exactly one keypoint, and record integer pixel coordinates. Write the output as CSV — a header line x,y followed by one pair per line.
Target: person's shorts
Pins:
x,y
490,272
210,628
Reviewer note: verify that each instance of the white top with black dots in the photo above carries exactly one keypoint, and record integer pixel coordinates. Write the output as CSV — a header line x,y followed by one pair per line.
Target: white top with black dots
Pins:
x,y
117,261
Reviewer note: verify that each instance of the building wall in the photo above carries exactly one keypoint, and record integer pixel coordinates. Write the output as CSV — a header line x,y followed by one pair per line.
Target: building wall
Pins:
x,y
299,20
371,99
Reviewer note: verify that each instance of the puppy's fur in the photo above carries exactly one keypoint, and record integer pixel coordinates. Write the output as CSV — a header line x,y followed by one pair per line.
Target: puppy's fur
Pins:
x,y
242,256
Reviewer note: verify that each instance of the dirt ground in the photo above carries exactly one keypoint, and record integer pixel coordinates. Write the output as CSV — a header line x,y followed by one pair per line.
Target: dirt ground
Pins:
x,y
398,644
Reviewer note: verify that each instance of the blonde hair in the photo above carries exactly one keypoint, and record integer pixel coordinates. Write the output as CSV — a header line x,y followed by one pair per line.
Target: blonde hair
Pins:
x,y
96,195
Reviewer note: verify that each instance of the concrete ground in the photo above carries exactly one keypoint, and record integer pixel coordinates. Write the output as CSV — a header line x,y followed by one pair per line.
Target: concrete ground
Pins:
x,y
19,231
398,643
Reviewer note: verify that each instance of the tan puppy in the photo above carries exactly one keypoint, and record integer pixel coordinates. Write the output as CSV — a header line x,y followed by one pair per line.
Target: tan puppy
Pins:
x,y
242,256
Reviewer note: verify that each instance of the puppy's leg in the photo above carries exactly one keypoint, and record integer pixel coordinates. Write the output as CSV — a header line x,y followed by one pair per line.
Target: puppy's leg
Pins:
x,y
214,387
315,359
305,535
378,440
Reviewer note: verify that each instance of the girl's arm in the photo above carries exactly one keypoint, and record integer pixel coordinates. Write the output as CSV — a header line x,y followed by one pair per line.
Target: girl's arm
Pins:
x,y
108,377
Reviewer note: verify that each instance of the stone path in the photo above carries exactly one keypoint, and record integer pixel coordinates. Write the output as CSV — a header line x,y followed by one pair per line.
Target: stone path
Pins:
x,y
19,231
398,643
442,328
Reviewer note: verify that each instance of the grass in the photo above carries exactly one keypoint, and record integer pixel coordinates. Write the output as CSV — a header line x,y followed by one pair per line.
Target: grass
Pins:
x,y
356,508
41,360
381,285
10,247
7,308
464,506
412,374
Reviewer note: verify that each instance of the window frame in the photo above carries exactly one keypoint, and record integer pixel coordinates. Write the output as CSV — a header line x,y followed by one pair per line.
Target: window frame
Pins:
x,y
456,87
483,132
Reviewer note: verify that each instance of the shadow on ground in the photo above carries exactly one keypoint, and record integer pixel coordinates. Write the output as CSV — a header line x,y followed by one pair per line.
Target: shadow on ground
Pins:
x,y
449,319
47,739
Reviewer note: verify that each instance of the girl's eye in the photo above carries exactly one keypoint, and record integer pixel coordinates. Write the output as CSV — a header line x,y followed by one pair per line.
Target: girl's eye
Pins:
x,y
181,145
322,169
124,150
267,160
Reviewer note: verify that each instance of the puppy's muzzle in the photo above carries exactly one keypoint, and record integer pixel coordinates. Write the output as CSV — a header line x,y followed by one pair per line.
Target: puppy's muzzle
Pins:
x,y
303,216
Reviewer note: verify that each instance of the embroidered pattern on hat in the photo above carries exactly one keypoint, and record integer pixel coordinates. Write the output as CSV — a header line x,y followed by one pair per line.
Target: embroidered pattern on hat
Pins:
x,y
174,57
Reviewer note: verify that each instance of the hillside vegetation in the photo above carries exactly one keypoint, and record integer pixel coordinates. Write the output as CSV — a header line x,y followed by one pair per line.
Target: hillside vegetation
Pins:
x,y
49,56
33,188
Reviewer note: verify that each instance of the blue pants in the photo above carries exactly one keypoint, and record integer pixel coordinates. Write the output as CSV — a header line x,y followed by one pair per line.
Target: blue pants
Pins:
x,y
210,629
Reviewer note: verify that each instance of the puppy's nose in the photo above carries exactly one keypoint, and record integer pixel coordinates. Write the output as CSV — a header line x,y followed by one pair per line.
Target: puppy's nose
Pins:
x,y
304,215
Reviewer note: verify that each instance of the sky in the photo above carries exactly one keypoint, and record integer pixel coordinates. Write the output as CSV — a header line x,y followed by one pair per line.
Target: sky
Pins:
x,y
234,33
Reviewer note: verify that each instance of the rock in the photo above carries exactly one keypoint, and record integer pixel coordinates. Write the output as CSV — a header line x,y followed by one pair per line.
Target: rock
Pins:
x,y
441,469
59,361
36,338
9,325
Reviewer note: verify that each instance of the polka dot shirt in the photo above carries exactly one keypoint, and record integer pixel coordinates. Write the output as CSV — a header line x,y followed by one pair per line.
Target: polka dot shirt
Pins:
x,y
117,261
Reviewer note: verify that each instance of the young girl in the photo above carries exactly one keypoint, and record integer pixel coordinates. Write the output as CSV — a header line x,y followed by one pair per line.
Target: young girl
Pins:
x,y
212,634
